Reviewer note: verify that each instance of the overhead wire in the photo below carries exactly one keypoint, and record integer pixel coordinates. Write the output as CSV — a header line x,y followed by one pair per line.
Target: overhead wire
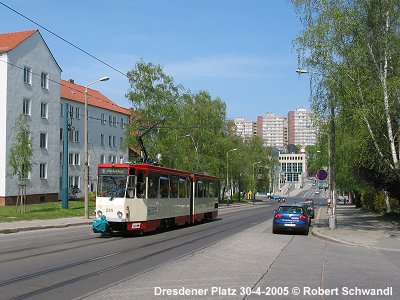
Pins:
x,y
85,52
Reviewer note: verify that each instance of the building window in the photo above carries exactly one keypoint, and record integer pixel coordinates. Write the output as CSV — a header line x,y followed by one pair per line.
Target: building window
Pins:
x,y
43,140
121,141
71,159
102,139
110,120
62,110
76,136
44,80
115,121
28,75
114,141
43,110
103,119
110,140
77,159
77,113
43,171
61,134
74,181
102,159
26,109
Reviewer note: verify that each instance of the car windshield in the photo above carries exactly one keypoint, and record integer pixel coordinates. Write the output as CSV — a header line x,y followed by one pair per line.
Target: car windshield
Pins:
x,y
290,209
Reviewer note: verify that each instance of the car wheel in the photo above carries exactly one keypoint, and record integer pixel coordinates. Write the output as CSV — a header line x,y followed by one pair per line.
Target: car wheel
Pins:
x,y
274,230
306,231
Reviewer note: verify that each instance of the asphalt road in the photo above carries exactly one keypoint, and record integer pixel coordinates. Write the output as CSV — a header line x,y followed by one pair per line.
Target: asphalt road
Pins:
x,y
70,262
236,257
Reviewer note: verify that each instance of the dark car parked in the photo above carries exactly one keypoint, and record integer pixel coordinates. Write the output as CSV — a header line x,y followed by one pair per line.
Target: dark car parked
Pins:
x,y
310,208
291,217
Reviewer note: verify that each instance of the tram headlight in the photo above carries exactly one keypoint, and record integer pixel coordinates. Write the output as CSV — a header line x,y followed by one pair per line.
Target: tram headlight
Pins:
x,y
119,214
99,213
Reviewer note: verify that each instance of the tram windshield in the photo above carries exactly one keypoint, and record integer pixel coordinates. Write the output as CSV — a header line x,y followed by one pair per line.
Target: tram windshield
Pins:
x,y
111,186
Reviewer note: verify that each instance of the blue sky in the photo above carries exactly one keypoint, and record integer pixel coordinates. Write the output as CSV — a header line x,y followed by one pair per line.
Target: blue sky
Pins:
x,y
238,50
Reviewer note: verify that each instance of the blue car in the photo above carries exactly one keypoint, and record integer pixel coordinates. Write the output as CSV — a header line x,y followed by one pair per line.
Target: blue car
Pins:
x,y
291,217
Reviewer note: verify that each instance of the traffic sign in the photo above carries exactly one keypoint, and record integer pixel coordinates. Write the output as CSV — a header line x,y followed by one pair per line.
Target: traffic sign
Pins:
x,y
322,175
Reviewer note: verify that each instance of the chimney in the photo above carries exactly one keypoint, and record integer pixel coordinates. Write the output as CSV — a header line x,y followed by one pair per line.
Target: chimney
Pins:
x,y
72,81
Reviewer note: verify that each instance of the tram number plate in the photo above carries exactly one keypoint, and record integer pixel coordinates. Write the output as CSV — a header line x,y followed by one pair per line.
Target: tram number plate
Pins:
x,y
135,225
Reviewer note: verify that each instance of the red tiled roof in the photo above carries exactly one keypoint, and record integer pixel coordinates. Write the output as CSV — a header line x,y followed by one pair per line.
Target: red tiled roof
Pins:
x,y
9,41
74,92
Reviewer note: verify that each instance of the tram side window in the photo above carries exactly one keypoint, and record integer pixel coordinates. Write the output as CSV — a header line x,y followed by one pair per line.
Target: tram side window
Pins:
x,y
141,184
153,185
183,187
130,192
211,190
200,189
174,186
164,186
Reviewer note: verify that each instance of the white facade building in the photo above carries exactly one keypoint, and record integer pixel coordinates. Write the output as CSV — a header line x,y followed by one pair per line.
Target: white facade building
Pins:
x,y
107,123
301,127
244,128
29,75
274,130
30,84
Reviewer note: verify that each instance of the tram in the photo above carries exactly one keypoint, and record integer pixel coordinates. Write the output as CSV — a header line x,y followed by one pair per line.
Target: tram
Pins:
x,y
143,197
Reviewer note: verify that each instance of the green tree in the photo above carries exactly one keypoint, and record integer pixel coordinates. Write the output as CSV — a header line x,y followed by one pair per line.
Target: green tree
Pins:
x,y
21,151
353,48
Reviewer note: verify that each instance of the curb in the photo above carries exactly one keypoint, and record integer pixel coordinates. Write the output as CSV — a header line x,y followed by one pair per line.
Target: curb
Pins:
x,y
315,232
21,229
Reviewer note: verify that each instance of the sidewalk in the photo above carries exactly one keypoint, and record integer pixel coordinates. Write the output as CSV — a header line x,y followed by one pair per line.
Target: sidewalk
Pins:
x,y
358,228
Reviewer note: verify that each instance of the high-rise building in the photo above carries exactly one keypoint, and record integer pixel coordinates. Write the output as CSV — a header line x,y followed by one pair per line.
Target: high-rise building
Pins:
x,y
273,130
301,130
244,128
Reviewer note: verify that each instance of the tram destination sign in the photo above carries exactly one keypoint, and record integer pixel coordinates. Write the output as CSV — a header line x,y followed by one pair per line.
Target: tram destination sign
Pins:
x,y
113,171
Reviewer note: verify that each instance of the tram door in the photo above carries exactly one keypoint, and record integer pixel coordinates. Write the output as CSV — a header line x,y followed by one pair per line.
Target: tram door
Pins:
x,y
192,193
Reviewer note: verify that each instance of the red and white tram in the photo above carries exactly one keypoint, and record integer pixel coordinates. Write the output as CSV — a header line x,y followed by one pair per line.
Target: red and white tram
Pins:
x,y
145,197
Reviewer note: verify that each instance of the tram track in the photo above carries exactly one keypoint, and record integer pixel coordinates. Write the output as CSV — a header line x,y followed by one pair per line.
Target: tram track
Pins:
x,y
106,257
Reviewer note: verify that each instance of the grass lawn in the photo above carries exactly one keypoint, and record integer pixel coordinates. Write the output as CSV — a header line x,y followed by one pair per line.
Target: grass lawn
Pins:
x,y
43,211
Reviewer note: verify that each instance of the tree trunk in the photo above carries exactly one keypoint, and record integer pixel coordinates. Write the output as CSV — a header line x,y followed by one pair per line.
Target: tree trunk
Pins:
x,y
387,200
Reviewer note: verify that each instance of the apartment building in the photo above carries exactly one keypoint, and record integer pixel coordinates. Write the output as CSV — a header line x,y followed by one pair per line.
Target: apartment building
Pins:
x,y
31,85
274,130
301,130
244,128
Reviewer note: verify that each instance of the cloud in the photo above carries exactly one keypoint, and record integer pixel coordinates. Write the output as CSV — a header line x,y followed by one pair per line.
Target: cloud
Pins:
x,y
229,66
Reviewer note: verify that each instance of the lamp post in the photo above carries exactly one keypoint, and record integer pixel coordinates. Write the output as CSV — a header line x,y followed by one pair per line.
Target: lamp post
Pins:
x,y
332,164
196,149
227,171
255,184
86,175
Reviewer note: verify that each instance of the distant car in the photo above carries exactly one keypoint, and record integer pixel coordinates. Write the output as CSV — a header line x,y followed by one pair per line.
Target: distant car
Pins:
x,y
275,197
282,200
310,208
317,192
291,217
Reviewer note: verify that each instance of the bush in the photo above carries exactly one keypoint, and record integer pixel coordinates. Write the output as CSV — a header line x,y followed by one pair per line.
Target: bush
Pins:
x,y
367,200
380,203
92,196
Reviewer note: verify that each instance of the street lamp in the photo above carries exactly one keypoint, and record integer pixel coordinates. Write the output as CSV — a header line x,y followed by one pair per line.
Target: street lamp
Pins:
x,y
86,176
196,149
227,172
332,164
